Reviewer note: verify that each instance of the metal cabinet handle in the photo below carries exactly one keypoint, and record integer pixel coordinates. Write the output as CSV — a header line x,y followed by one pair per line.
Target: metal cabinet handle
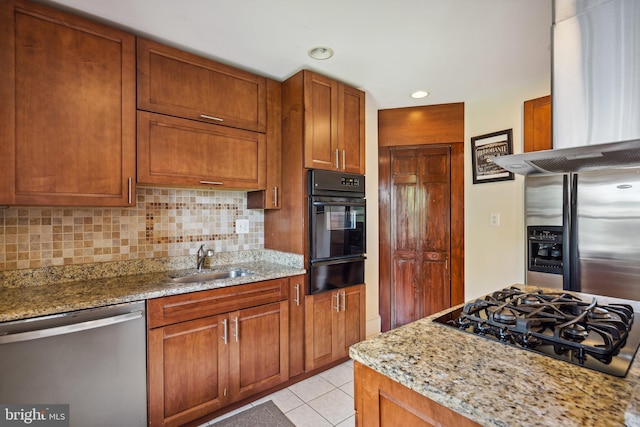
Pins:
x,y
130,189
275,196
337,159
337,295
224,332
344,159
218,119
297,299
344,300
235,334
212,182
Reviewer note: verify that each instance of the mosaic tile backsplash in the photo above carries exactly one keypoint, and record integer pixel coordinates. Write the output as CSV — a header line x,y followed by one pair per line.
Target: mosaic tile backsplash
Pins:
x,y
164,223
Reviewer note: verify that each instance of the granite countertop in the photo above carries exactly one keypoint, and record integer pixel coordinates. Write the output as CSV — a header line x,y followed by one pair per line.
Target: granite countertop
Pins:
x,y
495,384
25,301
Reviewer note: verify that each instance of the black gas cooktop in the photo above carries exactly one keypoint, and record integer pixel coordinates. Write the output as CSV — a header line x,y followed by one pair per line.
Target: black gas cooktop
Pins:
x,y
568,326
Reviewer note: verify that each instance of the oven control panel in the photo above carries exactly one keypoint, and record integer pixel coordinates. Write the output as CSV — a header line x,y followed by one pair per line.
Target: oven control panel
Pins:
x,y
350,181
334,183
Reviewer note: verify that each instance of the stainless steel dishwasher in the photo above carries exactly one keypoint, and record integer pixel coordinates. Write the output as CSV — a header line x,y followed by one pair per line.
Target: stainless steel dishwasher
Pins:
x,y
94,360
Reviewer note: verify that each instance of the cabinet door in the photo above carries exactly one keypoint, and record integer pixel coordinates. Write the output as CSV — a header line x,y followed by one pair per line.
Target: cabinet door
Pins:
x,y
68,109
271,196
321,327
174,82
258,349
381,401
333,321
320,122
351,319
174,151
537,124
296,325
351,141
187,369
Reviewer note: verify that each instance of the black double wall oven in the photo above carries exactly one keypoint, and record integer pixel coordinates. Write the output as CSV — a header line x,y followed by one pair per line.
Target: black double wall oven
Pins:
x,y
337,229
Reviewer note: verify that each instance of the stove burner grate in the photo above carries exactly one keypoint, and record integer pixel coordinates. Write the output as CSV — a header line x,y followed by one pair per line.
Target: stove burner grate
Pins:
x,y
556,323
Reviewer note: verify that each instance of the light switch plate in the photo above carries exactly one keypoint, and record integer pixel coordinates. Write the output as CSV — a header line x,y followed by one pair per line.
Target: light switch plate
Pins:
x,y
242,226
494,219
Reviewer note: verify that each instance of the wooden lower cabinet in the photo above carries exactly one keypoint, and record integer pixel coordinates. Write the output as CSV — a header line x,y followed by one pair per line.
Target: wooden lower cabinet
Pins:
x,y
380,401
198,366
258,349
188,370
333,321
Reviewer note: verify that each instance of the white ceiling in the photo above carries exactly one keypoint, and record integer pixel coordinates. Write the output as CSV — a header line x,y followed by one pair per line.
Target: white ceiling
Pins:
x,y
457,50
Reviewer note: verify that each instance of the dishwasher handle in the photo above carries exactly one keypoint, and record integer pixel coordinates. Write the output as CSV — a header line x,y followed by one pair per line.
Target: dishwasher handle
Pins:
x,y
67,329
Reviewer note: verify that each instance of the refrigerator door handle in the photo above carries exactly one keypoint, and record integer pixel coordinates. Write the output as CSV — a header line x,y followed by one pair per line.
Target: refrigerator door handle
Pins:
x,y
573,264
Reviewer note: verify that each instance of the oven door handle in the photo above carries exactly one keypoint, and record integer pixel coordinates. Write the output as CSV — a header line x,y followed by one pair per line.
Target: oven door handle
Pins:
x,y
333,261
350,204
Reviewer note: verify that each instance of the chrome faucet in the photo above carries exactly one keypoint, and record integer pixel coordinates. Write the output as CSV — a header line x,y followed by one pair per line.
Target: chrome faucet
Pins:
x,y
202,256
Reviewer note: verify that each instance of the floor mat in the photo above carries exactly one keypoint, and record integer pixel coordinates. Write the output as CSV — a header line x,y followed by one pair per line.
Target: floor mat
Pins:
x,y
266,414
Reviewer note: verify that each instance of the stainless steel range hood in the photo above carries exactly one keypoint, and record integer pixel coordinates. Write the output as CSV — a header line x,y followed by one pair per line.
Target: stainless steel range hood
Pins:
x,y
595,90
625,154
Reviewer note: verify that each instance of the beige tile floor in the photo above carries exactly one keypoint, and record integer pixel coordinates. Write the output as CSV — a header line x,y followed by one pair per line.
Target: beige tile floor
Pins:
x,y
324,400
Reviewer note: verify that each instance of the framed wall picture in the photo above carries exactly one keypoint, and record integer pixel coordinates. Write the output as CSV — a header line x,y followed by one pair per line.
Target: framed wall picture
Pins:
x,y
483,149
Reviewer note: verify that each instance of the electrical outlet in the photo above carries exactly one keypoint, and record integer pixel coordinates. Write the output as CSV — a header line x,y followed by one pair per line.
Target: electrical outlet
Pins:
x,y
242,226
494,219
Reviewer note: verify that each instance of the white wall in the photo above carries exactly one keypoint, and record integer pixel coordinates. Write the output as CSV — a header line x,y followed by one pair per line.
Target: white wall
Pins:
x,y
495,255
371,265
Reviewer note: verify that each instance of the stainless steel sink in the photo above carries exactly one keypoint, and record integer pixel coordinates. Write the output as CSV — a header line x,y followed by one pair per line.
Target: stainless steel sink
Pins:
x,y
214,275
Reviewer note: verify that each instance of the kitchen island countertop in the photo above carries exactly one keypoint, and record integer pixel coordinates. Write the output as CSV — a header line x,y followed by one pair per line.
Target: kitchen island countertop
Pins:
x,y
53,298
495,384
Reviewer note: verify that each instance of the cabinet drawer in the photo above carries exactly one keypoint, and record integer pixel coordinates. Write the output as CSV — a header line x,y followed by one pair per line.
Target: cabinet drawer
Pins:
x,y
180,152
195,305
171,81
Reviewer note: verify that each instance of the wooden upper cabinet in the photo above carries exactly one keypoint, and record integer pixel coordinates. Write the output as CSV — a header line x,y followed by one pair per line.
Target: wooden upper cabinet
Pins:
x,y
537,124
351,116
334,117
177,83
68,109
271,197
179,152
321,121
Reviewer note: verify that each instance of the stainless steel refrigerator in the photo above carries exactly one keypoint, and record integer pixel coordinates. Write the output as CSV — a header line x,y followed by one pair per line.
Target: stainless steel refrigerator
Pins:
x,y
583,231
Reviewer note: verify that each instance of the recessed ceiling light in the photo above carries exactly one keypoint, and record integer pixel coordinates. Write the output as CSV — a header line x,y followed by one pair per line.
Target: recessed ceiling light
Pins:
x,y
419,94
321,52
